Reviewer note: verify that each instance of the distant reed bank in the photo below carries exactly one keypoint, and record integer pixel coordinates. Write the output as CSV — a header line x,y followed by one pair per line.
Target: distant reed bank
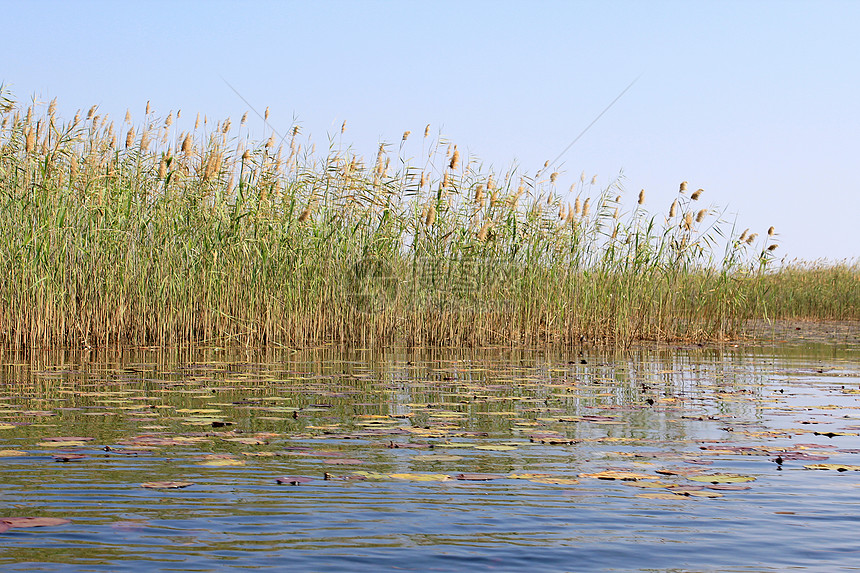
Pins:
x,y
136,232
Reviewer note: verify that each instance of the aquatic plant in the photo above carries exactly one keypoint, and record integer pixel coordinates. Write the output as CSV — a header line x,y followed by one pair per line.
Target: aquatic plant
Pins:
x,y
144,233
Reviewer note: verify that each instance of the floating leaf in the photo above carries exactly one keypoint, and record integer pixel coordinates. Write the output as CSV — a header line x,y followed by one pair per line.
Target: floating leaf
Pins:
x,y
613,475
421,477
496,447
436,458
695,492
658,495
11,453
477,477
33,521
68,457
527,476
166,484
342,461
372,475
556,480
67,444
837,467
721,478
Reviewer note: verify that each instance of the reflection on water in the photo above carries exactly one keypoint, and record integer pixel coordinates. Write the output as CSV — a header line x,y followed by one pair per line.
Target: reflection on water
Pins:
x,y
433,460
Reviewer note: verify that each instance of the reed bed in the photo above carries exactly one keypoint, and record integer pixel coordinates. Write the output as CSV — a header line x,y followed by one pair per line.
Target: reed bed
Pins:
x,y
142,233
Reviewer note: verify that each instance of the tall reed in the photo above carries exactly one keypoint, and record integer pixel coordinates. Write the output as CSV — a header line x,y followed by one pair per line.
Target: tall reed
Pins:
x,y
146,234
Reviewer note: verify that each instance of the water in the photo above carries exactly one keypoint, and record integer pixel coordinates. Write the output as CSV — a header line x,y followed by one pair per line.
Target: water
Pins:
x,y
386,429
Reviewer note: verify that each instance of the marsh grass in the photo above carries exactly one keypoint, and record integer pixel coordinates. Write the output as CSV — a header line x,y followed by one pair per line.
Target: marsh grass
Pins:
x,y
145,234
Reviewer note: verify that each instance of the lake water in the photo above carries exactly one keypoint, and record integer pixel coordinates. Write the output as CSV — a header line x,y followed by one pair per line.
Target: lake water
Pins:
x,y
657,459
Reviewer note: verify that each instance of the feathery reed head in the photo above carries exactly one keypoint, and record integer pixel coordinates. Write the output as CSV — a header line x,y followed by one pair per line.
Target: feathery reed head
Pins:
x,y
683,186
688,221
455,159
431,215
641,197
696,194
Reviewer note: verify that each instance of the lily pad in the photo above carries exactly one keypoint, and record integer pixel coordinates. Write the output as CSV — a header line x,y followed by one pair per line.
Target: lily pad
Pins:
x,y
659,495
33,521
436,458
477,477
555,480
496,447
11,453
618,475
837,467
721,478
421,477
166,484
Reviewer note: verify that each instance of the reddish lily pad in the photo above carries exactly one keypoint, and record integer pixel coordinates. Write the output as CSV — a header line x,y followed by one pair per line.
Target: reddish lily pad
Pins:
x,y
68,457
34,521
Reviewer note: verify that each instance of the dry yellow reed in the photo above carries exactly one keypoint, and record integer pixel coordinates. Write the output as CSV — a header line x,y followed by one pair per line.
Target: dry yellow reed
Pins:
x,y
770,232
683,186
431,215
700,216
688,220
698,193
482,234
455,159
641,197
553,176
479,195
673,209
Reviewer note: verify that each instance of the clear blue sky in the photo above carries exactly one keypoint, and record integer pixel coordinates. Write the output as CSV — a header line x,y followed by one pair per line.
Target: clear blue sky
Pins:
x,y
756,102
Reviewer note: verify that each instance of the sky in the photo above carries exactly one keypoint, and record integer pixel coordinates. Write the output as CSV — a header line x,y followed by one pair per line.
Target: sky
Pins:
x,y
756,102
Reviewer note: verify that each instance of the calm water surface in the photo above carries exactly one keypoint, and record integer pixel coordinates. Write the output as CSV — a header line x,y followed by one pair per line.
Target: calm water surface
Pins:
x,y
420,461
